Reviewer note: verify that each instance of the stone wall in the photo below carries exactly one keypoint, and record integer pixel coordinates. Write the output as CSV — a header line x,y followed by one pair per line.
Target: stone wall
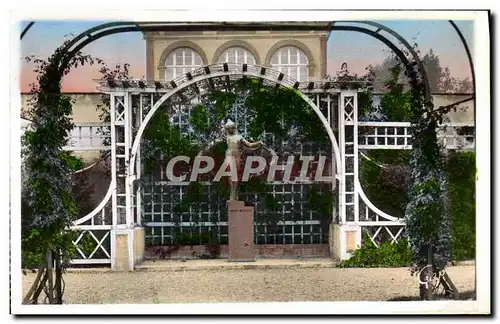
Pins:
x,y
84,106
264,251
465,111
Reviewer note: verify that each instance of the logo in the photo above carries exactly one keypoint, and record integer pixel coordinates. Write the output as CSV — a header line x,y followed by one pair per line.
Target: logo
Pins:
x,y
296,169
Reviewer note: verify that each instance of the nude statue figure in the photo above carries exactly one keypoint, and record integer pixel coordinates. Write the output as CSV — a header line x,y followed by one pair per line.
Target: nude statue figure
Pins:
x,y
236,144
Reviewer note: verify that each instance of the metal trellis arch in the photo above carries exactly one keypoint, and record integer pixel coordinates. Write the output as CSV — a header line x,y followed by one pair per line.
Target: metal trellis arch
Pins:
x,y
356,212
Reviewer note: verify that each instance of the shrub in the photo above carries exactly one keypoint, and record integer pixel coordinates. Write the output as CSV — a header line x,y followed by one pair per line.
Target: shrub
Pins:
x,y
461,174
386,256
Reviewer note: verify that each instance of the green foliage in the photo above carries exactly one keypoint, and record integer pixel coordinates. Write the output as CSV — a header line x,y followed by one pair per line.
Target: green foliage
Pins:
x,y
74,163
87,244
164,142
386,256
394,103
461,170
83,204
199,119
278,110
270,110
190,201
49,208
222,102
222,189
429,205
427,216
390,197
322,202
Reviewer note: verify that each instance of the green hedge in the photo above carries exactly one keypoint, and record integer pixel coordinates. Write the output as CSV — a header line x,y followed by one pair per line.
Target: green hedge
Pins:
x,y
386,256
461,175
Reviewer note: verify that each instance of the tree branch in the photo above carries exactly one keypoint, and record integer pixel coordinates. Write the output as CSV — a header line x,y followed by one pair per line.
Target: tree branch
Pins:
x,y
443,110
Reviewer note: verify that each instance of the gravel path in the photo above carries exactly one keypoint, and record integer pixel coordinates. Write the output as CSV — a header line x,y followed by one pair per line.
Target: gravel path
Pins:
x,y
260,285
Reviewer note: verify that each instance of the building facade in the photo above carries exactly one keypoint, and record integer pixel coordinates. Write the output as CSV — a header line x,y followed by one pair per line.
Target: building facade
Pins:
x,y
300,54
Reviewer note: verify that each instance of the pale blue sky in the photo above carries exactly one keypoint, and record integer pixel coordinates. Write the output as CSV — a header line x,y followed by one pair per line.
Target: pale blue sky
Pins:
x,y
435,34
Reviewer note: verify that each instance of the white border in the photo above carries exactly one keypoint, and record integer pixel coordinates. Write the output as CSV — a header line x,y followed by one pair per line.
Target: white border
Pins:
x,y
483,156
202,14
481,41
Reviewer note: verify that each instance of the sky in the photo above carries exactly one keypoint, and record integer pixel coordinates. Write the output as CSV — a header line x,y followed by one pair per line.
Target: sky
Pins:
x,y
356,49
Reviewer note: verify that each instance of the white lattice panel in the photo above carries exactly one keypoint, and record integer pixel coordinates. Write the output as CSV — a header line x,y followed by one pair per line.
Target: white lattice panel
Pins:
x,y
397,135
89,137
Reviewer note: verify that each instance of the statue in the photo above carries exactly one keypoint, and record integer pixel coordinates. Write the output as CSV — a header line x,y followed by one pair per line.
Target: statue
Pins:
x,y
236,144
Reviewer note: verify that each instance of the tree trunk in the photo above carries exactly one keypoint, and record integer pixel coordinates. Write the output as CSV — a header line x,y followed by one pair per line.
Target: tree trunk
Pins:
x,y
34,286
39,289
430,272
58,282
50,278
449,287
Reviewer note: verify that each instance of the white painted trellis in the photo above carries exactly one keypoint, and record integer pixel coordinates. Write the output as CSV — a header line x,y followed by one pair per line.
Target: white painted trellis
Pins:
x,y
336,109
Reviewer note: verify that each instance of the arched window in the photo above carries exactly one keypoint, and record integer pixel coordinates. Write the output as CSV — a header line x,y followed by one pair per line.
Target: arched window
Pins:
x,y
237,54
291,61
181,61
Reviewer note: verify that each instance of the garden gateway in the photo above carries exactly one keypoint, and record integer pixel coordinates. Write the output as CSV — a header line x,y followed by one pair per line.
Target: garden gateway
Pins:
x,y
308,202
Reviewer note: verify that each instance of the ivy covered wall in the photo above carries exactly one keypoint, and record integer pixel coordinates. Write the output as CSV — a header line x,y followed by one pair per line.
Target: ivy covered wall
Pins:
x,y
386,180
196,212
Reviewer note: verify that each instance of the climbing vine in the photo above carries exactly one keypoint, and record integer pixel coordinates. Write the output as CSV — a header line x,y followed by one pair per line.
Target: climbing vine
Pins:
x,y
276,115
46,235
461,176
419,182
427,213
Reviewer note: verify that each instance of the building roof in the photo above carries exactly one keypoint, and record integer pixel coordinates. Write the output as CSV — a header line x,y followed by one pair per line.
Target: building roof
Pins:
x,y
235,26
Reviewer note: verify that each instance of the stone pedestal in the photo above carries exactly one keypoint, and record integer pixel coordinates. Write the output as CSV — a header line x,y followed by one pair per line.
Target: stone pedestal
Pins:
x,y
127,248
344,239
240,232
